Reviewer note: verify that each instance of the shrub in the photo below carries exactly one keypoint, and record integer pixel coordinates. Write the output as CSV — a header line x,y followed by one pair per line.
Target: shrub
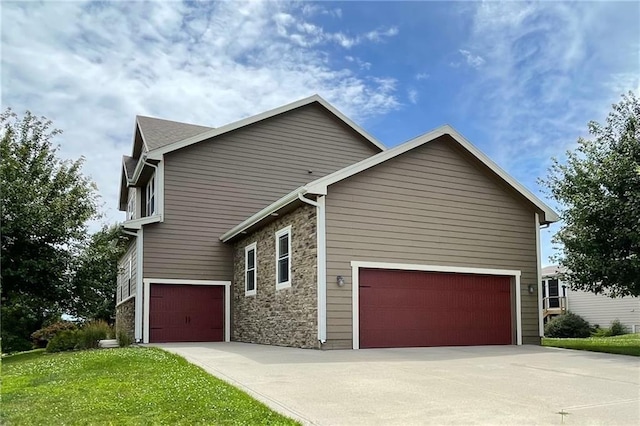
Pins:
x,y
617,328
42,337
124,339
567,326
92,332
66,340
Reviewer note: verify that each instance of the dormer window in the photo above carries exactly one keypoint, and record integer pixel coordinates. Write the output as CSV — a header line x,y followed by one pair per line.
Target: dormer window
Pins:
x,y
151,196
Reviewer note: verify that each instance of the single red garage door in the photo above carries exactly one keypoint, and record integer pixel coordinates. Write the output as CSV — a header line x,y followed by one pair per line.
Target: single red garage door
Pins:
x,y
415,308
186,313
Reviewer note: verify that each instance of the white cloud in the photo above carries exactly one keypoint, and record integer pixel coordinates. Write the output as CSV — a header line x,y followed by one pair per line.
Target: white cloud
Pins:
x,y
412,94
422,76
474,61
91,67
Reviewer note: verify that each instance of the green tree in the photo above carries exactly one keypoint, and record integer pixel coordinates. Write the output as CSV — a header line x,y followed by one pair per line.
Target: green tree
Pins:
x,y
598,189
95,276
46,203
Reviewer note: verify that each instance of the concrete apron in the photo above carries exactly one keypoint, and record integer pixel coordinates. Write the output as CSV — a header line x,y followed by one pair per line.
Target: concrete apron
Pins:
x,y
453,385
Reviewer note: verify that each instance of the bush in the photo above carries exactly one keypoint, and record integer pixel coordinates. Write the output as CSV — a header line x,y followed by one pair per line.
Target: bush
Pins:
x,y
617,328
42,337
124,339
66,340
92,332
568,325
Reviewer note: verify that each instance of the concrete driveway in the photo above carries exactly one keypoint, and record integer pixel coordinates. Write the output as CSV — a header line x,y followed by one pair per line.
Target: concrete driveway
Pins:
x,y
455,385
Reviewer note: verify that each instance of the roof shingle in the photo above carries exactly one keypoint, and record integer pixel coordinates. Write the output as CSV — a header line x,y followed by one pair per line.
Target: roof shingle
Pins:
x,y
158,132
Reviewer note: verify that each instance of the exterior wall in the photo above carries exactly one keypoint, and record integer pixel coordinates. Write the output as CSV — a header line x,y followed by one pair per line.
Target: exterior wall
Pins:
x,y
212,186
602,310
435,205
126,287
125,318
133,199
286,317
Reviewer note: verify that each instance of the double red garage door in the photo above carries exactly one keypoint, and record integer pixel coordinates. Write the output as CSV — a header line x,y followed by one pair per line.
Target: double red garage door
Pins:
x,y
416,308
186,313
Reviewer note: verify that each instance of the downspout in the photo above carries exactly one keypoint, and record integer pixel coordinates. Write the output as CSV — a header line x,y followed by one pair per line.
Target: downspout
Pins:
x,y
539,276
321,263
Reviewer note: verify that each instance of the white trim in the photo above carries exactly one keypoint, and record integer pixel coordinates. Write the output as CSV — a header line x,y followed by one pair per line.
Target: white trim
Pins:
x,y
267,211
355,283
539,275
151,208
139,286
137,223
319,186
227,301
321,260
284,231
321,240
158,152
125,299
247,249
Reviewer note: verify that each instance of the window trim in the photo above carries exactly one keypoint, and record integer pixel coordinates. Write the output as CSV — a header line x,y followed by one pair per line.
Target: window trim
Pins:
x,y
247,249
131,208
151,195
284,231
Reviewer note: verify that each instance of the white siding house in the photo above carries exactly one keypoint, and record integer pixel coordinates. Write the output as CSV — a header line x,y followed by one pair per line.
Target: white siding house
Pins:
x,y
595,308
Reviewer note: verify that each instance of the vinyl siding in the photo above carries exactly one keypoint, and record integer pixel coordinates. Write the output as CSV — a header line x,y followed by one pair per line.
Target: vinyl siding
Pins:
x,y
124,289
214,185
602,310
434,205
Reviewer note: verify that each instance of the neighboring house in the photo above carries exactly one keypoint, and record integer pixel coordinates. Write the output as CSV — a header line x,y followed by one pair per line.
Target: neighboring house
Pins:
x,y
595,308
297,228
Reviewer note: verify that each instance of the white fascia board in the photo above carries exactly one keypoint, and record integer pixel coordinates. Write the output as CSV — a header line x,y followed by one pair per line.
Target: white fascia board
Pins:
x,y
157,153
319,186
137,223
272,208
138,170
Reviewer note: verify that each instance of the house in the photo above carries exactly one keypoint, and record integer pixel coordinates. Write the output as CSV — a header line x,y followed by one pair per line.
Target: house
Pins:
x,y
295,227
599,309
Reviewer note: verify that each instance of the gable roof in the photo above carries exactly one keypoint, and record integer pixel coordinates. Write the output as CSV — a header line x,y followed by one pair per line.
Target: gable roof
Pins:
x,y
319,186
157,132
157,152
129,164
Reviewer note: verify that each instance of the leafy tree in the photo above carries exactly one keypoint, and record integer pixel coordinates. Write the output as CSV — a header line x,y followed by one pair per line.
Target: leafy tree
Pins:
x,y
46,203
95,276
598,189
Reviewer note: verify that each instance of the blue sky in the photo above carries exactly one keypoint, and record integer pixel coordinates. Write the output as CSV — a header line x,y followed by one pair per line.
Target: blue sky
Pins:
x,y
520,80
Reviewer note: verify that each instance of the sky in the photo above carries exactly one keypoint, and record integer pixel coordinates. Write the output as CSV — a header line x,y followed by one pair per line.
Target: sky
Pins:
x,y
519,80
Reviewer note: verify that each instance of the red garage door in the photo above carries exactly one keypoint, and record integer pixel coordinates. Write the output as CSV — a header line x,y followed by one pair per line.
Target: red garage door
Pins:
x,y
186,313
415,308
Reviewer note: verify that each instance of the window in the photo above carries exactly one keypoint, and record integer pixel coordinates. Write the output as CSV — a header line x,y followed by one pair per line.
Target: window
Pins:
x,y
283,258
131,208
250,270
151,196
130,274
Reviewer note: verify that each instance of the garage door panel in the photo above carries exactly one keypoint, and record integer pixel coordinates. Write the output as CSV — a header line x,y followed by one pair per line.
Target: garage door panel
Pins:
x,y
186,313
415,308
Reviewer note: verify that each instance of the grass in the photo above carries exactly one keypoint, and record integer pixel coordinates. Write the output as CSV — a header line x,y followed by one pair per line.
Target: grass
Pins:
x,y
628,344
121,386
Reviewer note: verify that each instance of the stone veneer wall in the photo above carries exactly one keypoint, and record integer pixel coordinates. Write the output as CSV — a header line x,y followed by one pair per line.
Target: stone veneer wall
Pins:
x,y
125,317
286,317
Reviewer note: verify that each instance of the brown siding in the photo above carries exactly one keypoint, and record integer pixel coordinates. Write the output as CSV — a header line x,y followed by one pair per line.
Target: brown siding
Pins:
x,y
435,206
214,185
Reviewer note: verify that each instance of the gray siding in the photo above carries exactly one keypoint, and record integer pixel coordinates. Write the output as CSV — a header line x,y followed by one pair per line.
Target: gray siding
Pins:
x,y
214,185
434,205
124,288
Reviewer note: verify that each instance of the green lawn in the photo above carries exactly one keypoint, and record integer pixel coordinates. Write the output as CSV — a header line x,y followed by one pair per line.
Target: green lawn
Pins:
x,y
121,386
628,344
